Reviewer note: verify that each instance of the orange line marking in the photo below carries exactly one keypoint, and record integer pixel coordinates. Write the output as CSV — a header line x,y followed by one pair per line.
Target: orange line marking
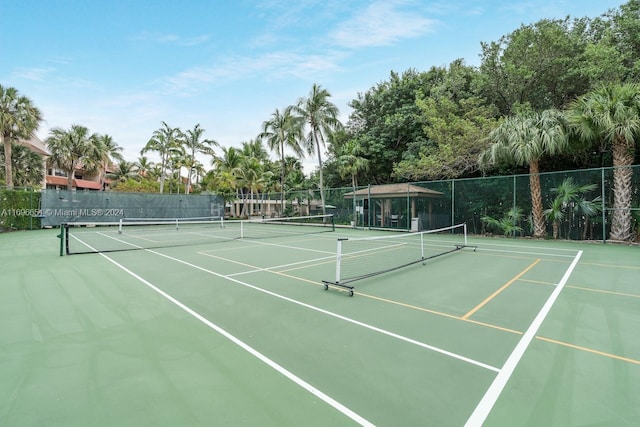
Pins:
x,y
590,350
505,286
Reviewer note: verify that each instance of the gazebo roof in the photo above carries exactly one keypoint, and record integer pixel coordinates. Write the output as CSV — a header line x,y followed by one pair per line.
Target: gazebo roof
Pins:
x,y
386,191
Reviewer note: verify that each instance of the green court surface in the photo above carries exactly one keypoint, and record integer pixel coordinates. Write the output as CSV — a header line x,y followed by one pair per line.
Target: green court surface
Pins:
x,y
242,332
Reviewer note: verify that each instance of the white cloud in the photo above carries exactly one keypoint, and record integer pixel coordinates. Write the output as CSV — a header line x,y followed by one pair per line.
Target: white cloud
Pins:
x,y
269,66
172,39
35,74
380,24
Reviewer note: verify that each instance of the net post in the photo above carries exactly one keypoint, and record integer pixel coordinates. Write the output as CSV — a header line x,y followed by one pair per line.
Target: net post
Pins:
x,y
177,224
338,259
421,245
66,238
333,222
241,229
465,233
61,237
120,225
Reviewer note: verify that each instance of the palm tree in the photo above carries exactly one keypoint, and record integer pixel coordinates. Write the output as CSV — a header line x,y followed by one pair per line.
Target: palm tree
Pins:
x,y
524,140
251,180
322,118
508,224
226,177
71,148
19,119
254,148
197,172
164,141
350,161
611,115
108,151
570,200
283,131
123,171
176,161
26,166
144,166
295,182
194,145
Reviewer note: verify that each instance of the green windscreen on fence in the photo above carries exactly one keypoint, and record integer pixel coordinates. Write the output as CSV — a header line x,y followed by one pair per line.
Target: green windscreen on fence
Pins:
x,y
577,205
62,206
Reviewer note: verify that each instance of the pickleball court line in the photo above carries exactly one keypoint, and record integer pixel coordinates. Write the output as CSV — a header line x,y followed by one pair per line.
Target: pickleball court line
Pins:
x,y
335,315
484,407
272,364
321,310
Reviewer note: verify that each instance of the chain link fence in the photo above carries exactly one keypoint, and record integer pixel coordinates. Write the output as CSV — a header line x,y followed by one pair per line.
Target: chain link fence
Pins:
x,y
577,205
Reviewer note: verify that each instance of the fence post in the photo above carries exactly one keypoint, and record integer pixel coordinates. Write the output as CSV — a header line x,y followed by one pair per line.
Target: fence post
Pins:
x,y
453,202
369,204
604,215
514,207
408,208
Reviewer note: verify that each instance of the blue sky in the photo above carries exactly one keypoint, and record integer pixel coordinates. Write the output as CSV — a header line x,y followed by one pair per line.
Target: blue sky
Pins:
x,y
121,67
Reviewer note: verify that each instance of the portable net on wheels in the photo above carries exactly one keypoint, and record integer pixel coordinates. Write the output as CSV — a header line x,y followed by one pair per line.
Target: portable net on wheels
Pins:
x,y
132,234
360,258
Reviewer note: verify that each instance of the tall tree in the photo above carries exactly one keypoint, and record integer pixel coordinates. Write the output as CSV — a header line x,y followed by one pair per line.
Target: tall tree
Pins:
x,y
26,165
610,115
321,117
194,144
108,151
144,166
164,141
281,132
351,161
523,140
19,119
456,121
387,122
254,148
621,31
226,176
176,161
71,148
123,171
541,65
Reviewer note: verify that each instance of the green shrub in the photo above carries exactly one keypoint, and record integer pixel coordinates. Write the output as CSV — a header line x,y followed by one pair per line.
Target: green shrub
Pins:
x,y
19,209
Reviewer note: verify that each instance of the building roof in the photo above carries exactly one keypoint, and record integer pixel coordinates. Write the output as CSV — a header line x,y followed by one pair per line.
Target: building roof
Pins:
x,y
77,183
386,191
36,146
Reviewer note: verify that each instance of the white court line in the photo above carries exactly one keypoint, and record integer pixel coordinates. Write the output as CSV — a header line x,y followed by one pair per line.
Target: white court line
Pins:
x,y
336,315
481,412
510,252
298,248
299,381
485,243
255,269
329,313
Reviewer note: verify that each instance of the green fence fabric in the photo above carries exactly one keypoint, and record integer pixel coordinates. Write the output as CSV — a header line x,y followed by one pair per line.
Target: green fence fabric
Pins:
x,y
60,206
474,200
423,205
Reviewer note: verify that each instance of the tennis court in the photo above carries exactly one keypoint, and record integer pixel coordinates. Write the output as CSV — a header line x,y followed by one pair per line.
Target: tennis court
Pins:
x,y
243,332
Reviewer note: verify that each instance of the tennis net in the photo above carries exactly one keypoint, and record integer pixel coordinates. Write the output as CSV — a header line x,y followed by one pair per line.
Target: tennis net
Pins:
x,y
126,235
360,258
